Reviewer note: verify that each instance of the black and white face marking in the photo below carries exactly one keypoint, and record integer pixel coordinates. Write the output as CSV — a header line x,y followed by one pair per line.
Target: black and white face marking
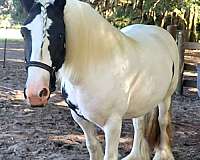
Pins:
x,y
44,39
56,32
47,38
31,25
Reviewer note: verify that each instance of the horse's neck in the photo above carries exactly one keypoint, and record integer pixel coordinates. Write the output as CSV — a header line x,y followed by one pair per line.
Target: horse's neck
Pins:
x,y
90,38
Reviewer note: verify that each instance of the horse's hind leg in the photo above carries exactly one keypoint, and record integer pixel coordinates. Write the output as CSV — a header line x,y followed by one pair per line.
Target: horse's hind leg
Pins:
x,y
163,151
140,149
93,146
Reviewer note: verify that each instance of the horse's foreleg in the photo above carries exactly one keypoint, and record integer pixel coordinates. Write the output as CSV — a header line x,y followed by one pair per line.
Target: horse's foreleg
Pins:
x,y
163,151
112,129
140,149
89,129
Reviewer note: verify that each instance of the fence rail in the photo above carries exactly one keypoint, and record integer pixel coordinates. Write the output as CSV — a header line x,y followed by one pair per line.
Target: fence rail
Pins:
x,y
191,45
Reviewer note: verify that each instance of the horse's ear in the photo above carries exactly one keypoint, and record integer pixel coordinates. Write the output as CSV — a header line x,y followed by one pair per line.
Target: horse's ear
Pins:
x,y
27,4
60,4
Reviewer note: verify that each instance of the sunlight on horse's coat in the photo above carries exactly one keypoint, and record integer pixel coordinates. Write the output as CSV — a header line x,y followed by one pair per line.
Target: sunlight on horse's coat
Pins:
x,y
108,74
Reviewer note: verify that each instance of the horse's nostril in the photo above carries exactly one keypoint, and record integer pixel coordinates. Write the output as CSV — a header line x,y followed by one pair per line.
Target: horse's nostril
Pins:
x,y
44,93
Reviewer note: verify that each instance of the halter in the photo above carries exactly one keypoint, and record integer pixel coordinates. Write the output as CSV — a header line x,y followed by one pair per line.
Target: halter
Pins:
x,y
51,70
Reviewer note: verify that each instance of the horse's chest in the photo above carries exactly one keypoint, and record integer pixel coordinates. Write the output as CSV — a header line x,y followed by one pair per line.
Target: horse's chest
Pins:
x,y
69,92
95,99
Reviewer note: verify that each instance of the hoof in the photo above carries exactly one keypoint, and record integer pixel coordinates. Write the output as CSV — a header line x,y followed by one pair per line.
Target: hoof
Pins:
x,y
163,155
132,157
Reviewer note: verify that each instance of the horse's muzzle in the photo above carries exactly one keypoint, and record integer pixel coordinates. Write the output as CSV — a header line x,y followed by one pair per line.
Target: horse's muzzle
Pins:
x,y
39,100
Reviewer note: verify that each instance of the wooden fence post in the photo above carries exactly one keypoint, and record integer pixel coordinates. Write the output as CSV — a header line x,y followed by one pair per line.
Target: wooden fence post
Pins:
x,y
180,38
4,53
198,79
172,30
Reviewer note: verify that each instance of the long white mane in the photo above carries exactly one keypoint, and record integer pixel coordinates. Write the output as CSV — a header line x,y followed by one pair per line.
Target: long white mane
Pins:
x,y
90,38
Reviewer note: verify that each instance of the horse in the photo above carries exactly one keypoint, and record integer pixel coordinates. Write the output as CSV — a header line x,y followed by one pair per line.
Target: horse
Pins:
x,y
106,75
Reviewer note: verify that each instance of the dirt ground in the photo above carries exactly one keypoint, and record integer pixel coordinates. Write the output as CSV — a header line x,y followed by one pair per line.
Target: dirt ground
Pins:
x,y
50,133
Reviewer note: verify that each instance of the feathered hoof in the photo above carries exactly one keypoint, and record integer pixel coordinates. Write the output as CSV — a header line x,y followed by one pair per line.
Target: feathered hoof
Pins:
x,y
131,157
163,155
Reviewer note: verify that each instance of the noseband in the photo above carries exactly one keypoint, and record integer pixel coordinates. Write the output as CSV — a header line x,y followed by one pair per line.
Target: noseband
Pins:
x,y
51,70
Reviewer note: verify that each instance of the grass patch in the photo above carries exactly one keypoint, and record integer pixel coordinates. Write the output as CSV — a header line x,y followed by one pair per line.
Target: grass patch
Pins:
x,y
11,40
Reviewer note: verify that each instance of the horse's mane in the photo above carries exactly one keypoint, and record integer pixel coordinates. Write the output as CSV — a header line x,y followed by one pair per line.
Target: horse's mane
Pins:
x,y
91,40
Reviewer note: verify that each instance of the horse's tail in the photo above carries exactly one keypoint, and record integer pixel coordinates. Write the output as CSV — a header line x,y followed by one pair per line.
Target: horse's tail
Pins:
x,y
152,128
175,68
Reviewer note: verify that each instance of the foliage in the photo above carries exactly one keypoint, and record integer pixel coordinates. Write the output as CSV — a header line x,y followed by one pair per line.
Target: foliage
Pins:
x,y
11,13
183,13
17,13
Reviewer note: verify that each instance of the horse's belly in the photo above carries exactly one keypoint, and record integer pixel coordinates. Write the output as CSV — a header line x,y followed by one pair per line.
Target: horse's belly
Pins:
x,y
130,96
139,106
146,93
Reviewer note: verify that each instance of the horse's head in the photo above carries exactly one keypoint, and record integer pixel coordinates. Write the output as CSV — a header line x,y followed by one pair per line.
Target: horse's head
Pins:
x,y
44,39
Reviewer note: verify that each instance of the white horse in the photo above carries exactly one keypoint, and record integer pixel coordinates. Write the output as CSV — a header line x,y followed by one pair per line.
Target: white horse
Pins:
x,y
106,75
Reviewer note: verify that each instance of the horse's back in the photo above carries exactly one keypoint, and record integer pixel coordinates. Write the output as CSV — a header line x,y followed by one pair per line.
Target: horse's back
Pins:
x,y
153,36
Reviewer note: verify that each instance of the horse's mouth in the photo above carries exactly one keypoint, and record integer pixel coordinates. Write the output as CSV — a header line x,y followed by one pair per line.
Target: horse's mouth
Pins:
x,y
38,106
37,101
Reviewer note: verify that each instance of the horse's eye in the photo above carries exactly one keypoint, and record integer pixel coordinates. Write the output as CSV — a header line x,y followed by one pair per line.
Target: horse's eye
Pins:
x,y
23,31
61,36
22,34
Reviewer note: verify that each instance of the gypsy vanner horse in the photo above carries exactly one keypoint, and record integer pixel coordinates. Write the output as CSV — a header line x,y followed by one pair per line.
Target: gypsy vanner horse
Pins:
x,y
106,75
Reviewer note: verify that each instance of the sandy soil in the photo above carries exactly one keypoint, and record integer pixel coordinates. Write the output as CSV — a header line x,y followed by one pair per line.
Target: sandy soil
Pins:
x,y
50,133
